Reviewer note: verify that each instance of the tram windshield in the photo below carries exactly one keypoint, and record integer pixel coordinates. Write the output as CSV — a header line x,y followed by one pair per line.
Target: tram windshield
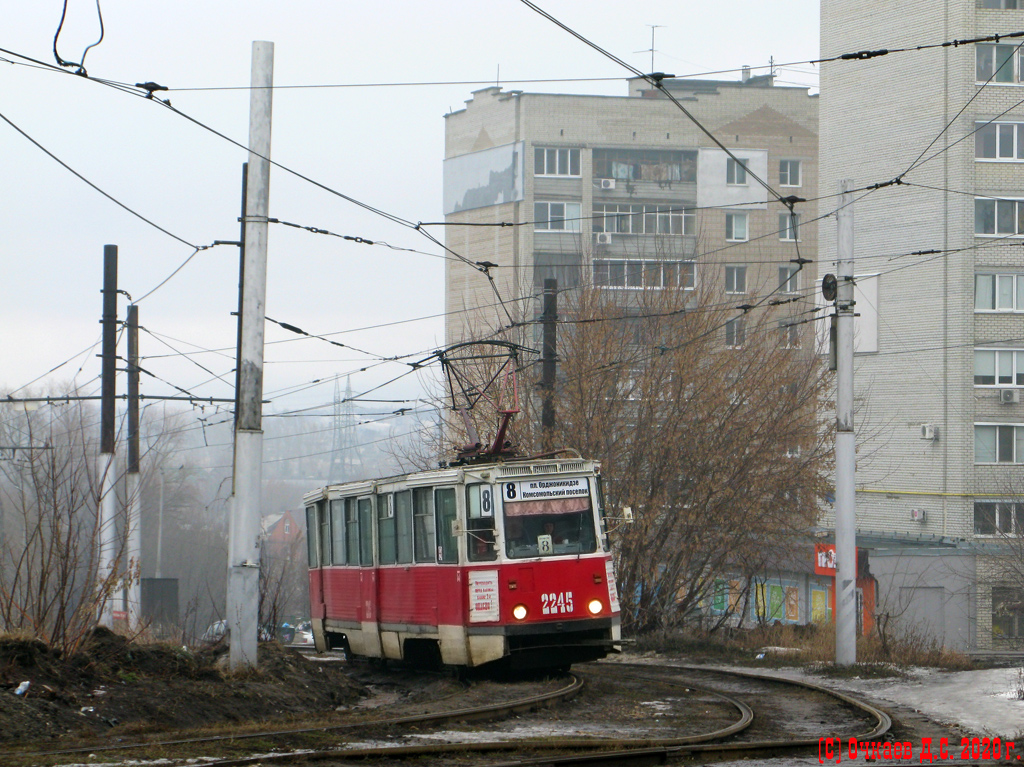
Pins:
x,y
548,517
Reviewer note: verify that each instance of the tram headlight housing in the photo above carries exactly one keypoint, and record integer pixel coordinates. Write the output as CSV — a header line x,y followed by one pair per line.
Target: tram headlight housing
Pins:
x,y
595,606
519,612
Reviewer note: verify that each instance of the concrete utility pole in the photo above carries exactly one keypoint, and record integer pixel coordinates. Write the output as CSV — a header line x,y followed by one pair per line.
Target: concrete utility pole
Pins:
x,y
549,360
132,519
105,467
244,532
846,446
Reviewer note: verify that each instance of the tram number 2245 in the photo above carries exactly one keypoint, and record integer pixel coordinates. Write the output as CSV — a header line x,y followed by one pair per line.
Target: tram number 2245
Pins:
x,y
554,604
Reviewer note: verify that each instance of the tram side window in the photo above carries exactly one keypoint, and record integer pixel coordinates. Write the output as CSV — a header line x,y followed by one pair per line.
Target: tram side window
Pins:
x,y
338,531
351,532
311,528
447,543
480,523
403,524
365,532
423,523
386,529
325,534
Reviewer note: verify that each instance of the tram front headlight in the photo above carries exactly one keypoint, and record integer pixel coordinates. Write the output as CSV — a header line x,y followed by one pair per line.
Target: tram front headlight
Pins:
x,y
595,606
519,612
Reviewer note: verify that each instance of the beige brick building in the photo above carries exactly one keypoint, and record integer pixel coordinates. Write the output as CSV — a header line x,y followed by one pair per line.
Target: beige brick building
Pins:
x,y
626,192
939,419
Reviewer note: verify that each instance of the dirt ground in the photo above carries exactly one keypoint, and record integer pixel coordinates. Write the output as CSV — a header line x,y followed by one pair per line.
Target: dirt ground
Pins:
x,y
116,688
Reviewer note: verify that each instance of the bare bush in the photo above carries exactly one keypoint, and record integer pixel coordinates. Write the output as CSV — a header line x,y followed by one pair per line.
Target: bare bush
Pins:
x,y
717,450
50,582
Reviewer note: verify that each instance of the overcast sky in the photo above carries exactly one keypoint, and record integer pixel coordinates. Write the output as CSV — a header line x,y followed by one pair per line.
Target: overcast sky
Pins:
x,y
381,145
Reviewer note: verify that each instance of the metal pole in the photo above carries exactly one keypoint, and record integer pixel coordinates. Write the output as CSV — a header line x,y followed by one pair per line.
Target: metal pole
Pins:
x,y
846,509
160,527
244,533
106,505
548,362
132,518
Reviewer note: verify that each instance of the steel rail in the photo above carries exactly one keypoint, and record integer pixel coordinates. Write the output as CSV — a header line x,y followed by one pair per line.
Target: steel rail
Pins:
x,y
604,745
603,750
607,751
472,713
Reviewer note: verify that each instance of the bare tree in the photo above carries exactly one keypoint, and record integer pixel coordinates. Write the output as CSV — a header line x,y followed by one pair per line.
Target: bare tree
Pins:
x,y
50,583
705,420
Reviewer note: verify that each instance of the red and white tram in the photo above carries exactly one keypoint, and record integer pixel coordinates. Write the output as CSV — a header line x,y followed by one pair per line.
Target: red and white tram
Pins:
x,y
493,562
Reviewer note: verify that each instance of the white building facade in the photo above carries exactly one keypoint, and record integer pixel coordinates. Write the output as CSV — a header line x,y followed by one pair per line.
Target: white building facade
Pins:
x,y
941,275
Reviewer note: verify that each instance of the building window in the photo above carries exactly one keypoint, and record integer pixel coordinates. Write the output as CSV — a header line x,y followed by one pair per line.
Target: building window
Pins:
x,y
736,227
287,528
735,172
1004,217
999,141
617,273
640,218
549,161
998,518
998,367
1001,5
998,443
556,216
735,279
999,292
789,173
789,332
788,280
789,226
1007,612
997,63
735,333
663,166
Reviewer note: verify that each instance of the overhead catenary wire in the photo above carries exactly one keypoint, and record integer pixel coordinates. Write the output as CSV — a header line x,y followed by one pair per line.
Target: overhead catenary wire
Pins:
x,y
109,196
822,59
656,79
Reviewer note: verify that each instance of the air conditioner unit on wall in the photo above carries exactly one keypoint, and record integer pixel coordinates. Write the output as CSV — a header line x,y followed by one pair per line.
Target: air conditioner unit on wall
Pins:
x,y
604,238
1009,396
607,183
929,431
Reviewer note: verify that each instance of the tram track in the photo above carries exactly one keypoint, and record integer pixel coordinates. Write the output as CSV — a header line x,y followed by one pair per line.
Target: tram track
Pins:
x,y
570,686
535,751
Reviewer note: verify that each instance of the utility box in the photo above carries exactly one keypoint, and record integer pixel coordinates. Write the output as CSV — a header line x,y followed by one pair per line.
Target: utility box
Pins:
x,y
160,605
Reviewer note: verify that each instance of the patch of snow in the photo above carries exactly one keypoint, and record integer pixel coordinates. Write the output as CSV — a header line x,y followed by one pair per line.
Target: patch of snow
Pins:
x,y
982,702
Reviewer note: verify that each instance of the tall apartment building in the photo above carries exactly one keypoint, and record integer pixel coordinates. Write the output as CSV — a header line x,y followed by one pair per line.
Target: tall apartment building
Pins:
x,y
625,192
941,349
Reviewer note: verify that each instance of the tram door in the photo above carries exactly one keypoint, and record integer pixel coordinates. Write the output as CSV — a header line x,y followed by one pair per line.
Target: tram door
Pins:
x,y
369,609
314,515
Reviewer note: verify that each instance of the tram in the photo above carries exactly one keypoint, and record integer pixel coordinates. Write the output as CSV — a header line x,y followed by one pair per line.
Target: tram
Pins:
x,y
500,562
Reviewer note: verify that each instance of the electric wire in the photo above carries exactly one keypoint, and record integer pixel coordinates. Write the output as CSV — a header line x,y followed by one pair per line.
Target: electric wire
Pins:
x,y
86,351
60,26
89,183
299,331
950,123
655,79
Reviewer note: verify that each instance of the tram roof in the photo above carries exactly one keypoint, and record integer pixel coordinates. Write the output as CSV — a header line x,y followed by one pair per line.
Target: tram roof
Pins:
x,y
496,471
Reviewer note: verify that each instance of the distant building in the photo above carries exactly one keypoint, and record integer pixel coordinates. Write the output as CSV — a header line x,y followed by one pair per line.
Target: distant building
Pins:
x,y
282,532
626,192
941,302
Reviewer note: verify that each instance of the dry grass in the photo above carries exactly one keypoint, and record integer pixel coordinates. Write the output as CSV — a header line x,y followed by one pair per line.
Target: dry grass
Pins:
x,y
807,645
